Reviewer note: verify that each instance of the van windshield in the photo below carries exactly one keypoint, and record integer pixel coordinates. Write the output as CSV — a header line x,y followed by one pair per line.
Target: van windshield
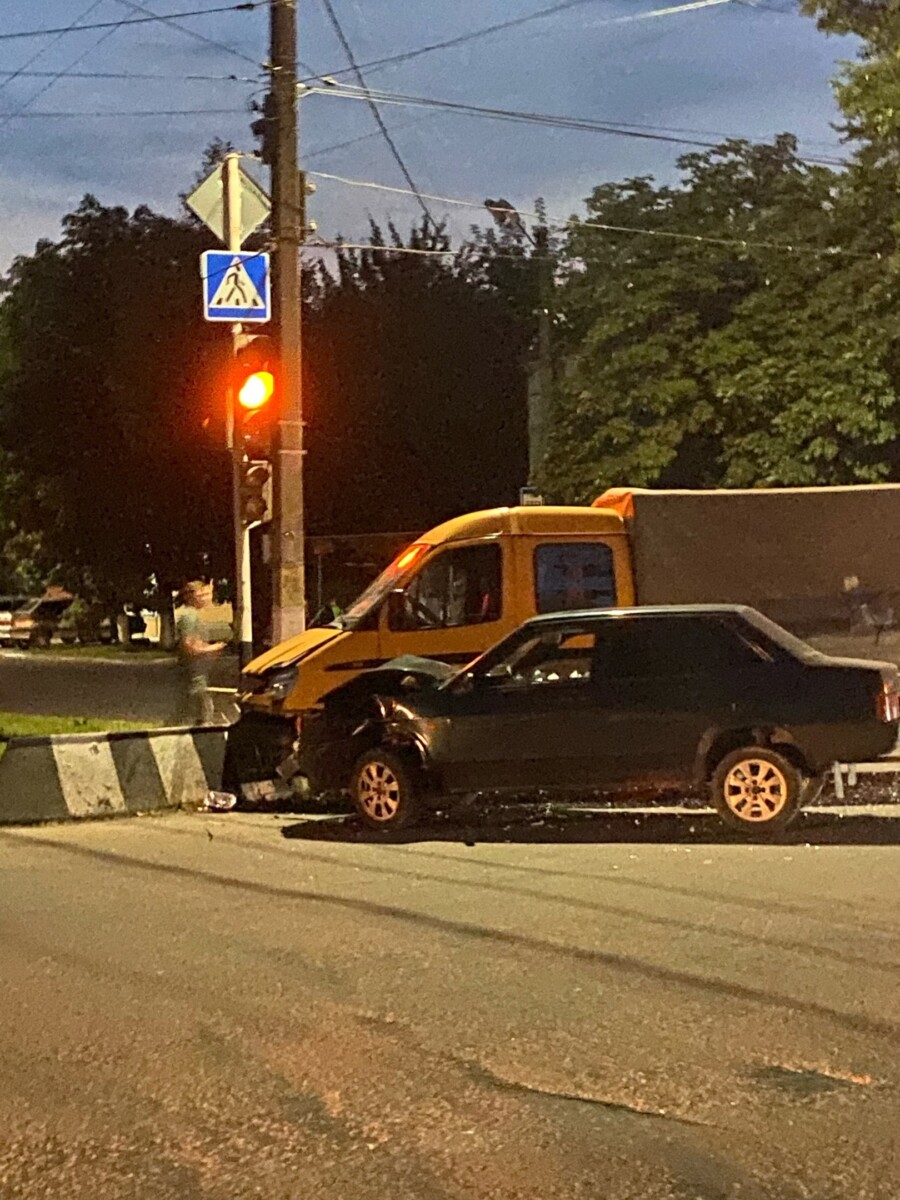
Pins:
x,y
375,593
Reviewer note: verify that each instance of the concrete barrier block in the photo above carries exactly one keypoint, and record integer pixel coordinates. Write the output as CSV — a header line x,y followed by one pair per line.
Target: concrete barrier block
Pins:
x,y
72,776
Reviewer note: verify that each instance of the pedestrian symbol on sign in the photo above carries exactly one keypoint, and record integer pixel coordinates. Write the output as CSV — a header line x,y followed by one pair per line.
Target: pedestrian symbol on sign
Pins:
x,y
237,289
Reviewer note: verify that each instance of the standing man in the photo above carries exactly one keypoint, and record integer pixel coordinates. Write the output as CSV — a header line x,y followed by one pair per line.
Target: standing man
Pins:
x,y
194,655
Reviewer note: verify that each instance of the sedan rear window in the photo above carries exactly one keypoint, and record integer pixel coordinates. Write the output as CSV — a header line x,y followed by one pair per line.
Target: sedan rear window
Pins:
x,y
661,647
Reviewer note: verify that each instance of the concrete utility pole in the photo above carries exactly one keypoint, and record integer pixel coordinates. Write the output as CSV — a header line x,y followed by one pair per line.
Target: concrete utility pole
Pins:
x,y
540,385
288,581
243,594
540,376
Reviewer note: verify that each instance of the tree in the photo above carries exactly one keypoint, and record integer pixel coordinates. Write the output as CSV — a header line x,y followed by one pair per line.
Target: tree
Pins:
x,y
111,372
414,389
702,352
867,89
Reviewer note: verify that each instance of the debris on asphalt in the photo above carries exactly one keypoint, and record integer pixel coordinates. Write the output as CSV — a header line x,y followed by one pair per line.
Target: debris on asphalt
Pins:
x,y
218,802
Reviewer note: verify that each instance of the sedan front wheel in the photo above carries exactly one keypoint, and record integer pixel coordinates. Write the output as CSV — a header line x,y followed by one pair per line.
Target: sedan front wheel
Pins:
x,y
758,790
385,790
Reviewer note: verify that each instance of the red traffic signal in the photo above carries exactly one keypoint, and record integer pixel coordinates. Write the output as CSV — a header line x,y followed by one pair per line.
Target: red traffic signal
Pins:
x,y
254,387
255,371
256,390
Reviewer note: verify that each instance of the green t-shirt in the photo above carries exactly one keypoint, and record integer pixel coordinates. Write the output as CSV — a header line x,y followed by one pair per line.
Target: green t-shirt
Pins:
x,y
188,626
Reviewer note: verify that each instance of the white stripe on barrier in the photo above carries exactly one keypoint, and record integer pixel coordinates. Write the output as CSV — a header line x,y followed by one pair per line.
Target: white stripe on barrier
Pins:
x,y
180,769
88,778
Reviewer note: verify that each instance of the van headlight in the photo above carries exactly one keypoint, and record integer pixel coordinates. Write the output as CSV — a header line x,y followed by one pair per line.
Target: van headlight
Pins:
x,y
277,683
280,683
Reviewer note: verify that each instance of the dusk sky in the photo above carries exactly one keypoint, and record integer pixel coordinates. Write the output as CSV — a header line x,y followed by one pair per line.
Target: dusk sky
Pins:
x,y
729,69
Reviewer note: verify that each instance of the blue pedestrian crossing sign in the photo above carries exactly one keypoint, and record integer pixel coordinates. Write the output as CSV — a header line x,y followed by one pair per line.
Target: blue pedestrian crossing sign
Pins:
x,y
235,286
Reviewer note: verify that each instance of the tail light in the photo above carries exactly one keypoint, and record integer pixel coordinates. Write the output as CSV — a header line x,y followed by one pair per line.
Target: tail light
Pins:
x,y
887,702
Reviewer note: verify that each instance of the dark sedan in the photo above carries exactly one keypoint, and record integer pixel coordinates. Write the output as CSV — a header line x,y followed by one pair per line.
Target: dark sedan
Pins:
x,y
643,699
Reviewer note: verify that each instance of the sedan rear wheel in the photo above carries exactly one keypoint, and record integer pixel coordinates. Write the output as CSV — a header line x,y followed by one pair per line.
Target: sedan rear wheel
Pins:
x,y
384,790
756,789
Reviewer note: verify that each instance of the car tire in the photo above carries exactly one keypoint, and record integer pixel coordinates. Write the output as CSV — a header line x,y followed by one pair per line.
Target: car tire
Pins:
x,y
757,790
386,790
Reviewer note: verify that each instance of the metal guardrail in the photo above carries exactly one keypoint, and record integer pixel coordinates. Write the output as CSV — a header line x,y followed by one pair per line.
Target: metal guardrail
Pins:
x,y
852,771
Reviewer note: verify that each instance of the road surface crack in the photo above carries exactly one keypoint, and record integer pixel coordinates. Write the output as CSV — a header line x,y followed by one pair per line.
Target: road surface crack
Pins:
x,y
485,1074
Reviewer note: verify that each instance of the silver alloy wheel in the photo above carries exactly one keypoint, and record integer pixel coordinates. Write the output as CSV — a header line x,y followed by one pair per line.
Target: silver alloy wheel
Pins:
x,y
755,790
378,791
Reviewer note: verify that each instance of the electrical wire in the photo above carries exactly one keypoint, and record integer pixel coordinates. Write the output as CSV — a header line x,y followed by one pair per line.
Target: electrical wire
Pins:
x,y
199,37
241,6
563,224
450,253
782,12
192,33
487,30
54,78
373,107
11,75
317,151
584,124
150,112
123,75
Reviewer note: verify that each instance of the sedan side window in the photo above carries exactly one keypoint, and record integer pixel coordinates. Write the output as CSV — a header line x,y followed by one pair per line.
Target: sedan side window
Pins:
x,y
548,659
454,588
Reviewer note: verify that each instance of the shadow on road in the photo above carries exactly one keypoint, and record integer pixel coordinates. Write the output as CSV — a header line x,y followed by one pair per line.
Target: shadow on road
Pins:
x,y
517,826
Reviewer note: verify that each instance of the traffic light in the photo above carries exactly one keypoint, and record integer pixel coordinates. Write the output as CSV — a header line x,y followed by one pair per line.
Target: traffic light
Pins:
x,y
264,129
256,478
254,386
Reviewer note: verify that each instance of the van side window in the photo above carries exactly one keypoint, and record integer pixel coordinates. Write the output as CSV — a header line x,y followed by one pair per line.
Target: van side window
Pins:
x,y
456,587
570,575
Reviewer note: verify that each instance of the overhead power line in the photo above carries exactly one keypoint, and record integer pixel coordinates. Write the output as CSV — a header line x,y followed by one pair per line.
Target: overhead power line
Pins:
x,y
148,112
564,223
11,75
584,124
139,76
317,151
191,33
242,6
373,107
423,253
198,37
54,78
501,26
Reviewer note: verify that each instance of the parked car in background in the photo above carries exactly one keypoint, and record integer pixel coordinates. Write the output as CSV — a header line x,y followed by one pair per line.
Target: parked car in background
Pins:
x,y
638,701
36,623
86,623
8,605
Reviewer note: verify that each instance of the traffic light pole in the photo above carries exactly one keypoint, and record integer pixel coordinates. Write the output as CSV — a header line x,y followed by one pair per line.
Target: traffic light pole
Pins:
x,y
243,596
288,582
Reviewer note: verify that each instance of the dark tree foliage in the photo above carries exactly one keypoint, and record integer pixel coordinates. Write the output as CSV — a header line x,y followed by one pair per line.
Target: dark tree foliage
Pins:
x,y
112,400
415,390
106,389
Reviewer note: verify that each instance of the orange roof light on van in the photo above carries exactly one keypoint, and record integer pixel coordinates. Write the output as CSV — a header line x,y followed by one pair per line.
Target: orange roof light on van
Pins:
x,y
408,557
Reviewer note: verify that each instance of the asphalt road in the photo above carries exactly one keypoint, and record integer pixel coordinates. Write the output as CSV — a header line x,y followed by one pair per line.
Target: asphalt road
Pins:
x,y
610,1008
145,689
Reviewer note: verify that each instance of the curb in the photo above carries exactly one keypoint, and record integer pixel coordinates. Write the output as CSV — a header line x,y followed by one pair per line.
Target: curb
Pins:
x,y
50,656
63,777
